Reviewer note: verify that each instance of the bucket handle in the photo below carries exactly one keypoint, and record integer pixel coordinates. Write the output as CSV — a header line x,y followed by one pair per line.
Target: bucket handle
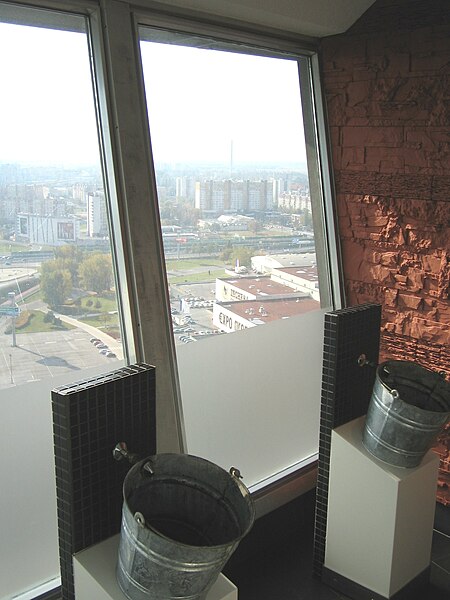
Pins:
x,y
140,519
395,395
236,474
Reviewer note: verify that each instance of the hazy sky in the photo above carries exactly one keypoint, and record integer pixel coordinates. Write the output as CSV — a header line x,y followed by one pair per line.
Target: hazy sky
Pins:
x,y
199,101
46,104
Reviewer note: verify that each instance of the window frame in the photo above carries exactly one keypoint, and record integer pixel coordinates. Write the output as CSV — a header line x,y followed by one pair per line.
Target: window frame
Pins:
x,y
129,175
283,487
131,156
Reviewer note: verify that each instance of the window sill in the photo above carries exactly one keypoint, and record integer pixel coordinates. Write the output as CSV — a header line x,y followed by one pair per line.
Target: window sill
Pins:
x,y
285,489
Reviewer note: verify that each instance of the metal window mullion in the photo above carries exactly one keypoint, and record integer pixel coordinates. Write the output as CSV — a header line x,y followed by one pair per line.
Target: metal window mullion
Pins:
x,y
330,209
136,215
320,184
118,246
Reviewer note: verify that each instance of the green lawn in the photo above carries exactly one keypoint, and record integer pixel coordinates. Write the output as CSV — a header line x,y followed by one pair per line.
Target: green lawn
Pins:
x,y
215,269
182,265
7,247
106,304
102,318
36,324
197,277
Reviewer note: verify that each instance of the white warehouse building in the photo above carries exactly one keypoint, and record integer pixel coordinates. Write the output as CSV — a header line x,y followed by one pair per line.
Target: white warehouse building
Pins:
x,y
47,230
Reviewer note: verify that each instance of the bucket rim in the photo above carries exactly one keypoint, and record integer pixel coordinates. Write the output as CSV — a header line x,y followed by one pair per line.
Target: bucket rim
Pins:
x,y
247,497
390,389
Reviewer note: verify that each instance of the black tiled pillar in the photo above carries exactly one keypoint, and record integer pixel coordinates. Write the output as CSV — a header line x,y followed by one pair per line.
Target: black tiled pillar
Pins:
x,y
89,418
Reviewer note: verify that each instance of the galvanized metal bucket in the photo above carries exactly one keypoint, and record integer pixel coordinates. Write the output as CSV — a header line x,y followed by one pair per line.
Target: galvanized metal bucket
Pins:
x,y
409,407
182,518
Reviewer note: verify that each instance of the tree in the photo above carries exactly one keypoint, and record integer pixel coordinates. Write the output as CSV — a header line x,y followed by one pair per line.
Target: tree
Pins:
x,y
56,284
70,258
243,255
48,317
96,273
225,255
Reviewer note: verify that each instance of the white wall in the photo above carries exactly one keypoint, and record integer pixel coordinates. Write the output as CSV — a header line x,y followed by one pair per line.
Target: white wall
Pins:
x,y
316,18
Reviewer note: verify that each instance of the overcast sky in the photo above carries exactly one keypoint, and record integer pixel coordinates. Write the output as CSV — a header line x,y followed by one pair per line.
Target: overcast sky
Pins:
x,y
199,101
46,106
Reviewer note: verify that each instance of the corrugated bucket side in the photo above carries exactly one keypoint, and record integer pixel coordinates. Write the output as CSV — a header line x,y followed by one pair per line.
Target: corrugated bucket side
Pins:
x,y
409,407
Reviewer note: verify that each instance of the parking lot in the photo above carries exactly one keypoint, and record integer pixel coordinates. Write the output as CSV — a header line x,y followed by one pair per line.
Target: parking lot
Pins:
x,y
42,355
195,322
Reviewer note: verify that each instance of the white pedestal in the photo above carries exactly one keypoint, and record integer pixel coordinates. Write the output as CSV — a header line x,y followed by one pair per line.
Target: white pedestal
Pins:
x,y
380,517
95,575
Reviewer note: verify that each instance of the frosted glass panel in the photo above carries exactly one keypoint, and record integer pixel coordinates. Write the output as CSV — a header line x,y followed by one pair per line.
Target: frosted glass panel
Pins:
x,y
255,402
28,496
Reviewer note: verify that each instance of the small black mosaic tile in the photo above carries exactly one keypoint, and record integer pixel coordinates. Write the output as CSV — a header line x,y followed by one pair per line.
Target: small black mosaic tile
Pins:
x,y
89,418
347,387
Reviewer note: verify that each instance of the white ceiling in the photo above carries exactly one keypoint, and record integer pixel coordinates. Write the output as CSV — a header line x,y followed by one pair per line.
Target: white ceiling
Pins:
x,y
316,18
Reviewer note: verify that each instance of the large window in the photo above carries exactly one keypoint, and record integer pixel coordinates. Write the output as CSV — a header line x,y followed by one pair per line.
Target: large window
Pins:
x,y
240,211
57,288
233,188
59,314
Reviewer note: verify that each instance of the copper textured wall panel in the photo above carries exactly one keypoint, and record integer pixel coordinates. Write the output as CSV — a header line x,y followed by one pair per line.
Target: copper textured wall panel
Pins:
x,y
387,83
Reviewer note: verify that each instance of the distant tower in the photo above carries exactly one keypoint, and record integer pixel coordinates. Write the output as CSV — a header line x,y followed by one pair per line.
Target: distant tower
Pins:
x,y
231,159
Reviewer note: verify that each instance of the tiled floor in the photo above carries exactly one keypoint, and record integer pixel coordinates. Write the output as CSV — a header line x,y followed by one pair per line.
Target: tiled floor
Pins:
x,y
283,571
274,562
287,576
